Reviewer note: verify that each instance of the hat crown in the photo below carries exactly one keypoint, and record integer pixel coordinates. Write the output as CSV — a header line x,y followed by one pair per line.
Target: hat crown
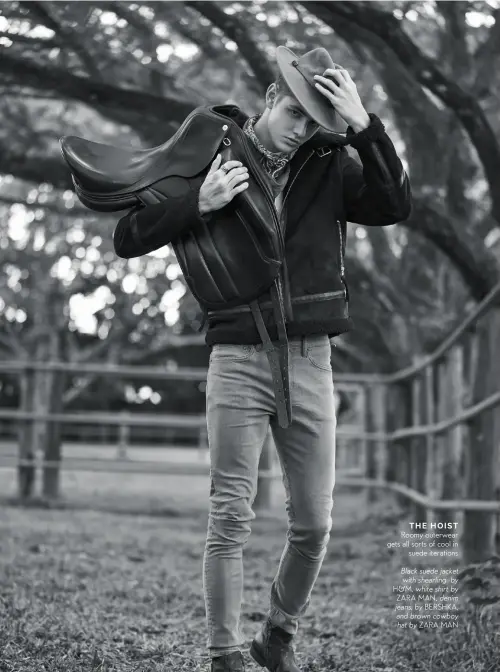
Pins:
x,y
315,62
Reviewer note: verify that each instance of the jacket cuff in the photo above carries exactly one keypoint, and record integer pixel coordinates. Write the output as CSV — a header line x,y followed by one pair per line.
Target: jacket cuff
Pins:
x,y
373,132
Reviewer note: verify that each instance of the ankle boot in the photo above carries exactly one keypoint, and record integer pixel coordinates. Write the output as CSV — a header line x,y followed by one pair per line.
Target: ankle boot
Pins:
x,y
230,662
272,648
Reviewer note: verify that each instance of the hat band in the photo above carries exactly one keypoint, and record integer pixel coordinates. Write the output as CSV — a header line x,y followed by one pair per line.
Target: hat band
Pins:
x,y
307,77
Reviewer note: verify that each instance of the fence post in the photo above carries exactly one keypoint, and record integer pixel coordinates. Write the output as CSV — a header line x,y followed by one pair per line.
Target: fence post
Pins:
x,y
417,454
378,403
26,470
364,444
440,440
453,444
52,449
482,473
430,442
123,438
403,418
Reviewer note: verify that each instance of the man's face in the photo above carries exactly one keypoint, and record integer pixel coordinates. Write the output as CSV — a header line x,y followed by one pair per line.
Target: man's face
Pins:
x,y
288,124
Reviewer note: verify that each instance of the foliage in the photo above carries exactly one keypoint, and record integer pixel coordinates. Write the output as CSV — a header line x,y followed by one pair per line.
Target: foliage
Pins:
x,y
128,73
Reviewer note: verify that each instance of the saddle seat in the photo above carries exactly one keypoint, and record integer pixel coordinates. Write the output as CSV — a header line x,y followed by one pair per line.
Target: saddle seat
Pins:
x,y
107,168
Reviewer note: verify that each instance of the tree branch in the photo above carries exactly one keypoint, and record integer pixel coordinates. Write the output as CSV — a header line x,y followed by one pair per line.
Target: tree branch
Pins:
x,y
475,263
425,70
486,59
235,30
76,211
86,90
66,36
35,169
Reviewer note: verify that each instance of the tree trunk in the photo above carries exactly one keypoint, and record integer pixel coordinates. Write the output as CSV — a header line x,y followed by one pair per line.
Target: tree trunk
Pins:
x,y
26,471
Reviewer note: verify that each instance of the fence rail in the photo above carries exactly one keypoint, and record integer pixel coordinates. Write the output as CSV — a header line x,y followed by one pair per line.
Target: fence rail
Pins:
x,y
429,433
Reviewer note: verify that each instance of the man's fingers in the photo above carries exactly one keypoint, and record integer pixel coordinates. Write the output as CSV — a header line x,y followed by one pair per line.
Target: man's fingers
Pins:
x,y
326,82
236,175
346,77
327,92
215,164
229,165
237,181
240,187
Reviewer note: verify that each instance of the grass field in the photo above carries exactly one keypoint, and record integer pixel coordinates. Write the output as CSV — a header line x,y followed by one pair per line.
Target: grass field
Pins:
x,y
111,581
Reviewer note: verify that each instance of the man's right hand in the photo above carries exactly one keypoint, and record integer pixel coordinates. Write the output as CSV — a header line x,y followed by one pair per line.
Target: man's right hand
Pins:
x,y
221,184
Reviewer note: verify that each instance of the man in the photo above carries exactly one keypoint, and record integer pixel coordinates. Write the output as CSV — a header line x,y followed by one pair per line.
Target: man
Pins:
x,y
317,188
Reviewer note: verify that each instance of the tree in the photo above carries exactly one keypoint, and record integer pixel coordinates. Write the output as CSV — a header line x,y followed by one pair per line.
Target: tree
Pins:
x,y
123,73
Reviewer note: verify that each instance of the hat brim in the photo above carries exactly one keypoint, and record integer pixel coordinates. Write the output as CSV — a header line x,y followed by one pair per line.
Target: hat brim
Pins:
x,y
312,100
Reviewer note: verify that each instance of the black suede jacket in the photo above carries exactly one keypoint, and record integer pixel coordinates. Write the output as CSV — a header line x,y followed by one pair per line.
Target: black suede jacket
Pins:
x,y
326,188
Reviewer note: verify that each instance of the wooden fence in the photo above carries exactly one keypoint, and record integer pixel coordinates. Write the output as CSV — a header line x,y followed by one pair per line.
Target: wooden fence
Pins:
x,y
430,433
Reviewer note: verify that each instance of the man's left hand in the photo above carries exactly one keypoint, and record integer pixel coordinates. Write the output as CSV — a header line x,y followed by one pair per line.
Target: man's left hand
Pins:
x,y
343,95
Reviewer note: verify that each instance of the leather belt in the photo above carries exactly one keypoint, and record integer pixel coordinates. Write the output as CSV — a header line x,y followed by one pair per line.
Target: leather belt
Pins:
x,y
277,355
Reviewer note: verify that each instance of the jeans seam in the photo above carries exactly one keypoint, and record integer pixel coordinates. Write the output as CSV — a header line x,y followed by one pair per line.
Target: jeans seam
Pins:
x,y
314,363
282,459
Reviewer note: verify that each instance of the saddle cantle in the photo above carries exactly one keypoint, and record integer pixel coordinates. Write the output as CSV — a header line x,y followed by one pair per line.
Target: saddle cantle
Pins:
x,y
108,178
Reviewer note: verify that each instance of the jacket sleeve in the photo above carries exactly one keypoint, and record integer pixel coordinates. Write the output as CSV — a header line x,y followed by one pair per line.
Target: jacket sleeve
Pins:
x,y
378,192
147,228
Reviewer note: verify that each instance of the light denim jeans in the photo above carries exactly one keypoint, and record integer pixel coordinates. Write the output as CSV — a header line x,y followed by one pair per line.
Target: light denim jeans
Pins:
x,y
240,407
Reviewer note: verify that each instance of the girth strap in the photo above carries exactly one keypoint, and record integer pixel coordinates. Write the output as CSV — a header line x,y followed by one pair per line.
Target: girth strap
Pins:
x,y
278,356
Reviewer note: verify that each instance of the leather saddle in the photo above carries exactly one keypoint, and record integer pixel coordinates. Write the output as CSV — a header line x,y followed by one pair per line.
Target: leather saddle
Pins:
x,y
230,260
108,178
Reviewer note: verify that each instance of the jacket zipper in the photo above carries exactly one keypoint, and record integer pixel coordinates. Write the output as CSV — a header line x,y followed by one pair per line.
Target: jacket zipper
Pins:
x,y
342,267
341,249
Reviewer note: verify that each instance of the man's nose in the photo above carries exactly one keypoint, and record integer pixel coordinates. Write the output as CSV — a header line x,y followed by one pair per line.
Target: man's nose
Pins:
x,y
301,128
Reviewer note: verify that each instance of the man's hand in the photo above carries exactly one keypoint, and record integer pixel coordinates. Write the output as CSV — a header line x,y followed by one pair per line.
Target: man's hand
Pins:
x,y
221,184
338,87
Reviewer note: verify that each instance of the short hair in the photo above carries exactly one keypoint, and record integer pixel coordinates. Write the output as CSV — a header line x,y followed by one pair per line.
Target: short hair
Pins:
x,y
282,88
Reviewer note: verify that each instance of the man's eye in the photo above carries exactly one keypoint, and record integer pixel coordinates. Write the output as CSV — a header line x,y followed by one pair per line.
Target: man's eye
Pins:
x,y
294,113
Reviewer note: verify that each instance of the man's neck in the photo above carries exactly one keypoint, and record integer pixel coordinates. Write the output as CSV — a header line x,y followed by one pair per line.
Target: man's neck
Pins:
x,y
262,132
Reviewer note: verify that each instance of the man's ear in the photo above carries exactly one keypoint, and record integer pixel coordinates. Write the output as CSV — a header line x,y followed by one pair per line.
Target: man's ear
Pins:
x,y
271,94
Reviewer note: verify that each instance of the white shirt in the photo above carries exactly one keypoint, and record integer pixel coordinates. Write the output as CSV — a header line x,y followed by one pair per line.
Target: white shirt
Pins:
x,y
278,202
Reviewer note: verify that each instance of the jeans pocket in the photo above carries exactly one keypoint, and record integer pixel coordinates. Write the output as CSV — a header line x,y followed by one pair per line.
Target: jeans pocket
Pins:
x,y
231,352
320,356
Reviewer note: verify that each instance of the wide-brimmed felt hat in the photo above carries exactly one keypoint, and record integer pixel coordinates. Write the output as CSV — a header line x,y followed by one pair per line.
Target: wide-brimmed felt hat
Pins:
x,y
298,73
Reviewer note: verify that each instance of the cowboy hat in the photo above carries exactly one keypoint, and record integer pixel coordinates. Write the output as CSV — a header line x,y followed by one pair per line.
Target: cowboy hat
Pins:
x,y
298,73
